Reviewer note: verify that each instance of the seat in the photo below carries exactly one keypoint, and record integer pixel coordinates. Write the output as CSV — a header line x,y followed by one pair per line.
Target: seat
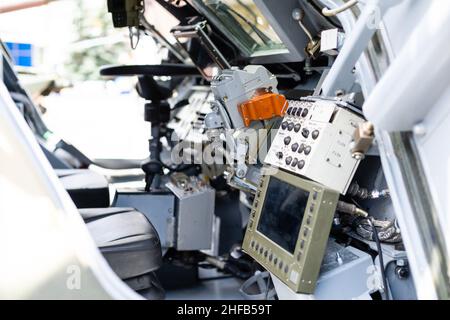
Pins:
x,y
87,188
130,244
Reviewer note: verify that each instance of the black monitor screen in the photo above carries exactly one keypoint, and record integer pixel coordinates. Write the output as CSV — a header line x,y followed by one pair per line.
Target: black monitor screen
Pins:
x,y
282,214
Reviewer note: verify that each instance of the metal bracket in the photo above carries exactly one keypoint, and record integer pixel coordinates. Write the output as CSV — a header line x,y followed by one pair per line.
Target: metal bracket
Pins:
x,y
198,31
341,76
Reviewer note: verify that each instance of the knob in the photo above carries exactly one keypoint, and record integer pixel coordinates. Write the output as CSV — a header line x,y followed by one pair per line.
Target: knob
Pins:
x,y
299,112
288,160
290,126
315,134
284,125
307,150
297,127
289,111
294,111
305,113
279,155
305,133
294,162
301,164
301,148
287,140
294,147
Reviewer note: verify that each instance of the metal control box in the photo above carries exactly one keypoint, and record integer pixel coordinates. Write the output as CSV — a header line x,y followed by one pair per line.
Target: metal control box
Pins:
x,y
289,226
194,216
314,141
183,216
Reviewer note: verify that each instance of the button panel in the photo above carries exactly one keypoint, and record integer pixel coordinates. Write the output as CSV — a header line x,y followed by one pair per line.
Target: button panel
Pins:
x,y
318,134
294,135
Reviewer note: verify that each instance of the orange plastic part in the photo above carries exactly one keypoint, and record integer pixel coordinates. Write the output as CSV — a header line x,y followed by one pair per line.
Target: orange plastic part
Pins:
x,y
263,107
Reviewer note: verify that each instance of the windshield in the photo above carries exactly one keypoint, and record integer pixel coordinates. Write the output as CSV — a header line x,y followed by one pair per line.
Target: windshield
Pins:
x,y
244,24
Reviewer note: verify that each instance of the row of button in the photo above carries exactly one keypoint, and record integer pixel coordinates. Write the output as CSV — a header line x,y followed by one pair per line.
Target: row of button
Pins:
x,y
308,223
298,112
291,126
294,162
269,255
301,148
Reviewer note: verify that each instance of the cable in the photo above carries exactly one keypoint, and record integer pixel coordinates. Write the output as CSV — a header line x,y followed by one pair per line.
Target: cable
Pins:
x,y
380,256
332,12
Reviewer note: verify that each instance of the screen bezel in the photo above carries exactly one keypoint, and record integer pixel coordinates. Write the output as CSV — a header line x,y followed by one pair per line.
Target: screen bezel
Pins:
x,y
300,270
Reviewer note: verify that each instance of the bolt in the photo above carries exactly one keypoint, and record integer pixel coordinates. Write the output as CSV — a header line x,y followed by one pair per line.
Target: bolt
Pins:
x,y
339,258
401,263
340,93
297,14
241,173
420,130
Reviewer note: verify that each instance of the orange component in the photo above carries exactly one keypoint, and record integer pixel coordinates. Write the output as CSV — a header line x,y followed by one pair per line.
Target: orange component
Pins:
x,y
263,107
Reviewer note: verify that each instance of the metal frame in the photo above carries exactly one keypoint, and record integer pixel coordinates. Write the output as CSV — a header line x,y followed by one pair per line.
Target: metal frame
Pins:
x,y
198,31
341,77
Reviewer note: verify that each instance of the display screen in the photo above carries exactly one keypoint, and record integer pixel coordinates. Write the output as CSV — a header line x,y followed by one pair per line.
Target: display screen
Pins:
x,y
244,24
282,214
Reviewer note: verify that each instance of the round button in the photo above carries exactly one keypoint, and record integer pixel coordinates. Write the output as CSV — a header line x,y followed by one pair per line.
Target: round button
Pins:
x,y
257,247
315,134
294,162
270,257
297,127
301,164
286,269
275,260
307,150
294,147
305,113
299,112
287,140
301,148
288,160
279,155
261,250
305,232
308,220
284,125
252,244
280,265
299,256
265,254
290,126
305,133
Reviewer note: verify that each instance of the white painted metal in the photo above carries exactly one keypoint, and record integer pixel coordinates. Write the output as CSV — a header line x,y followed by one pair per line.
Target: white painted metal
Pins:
x,y
47,251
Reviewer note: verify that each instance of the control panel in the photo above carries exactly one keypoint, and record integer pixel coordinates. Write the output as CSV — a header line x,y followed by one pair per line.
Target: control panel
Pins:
x,y
314,141
289,227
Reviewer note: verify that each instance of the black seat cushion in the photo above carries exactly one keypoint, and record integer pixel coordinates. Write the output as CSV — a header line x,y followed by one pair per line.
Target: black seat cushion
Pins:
x,y
87,188
126,238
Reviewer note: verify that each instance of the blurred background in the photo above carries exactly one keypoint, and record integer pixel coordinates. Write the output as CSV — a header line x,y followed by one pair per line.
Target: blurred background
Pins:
x,y
58,47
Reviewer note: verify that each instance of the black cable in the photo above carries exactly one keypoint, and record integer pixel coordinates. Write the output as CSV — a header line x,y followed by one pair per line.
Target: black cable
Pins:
x,y
380,256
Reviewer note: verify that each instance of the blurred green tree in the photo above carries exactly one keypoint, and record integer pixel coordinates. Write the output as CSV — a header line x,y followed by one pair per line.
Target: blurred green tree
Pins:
x,y
97,43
